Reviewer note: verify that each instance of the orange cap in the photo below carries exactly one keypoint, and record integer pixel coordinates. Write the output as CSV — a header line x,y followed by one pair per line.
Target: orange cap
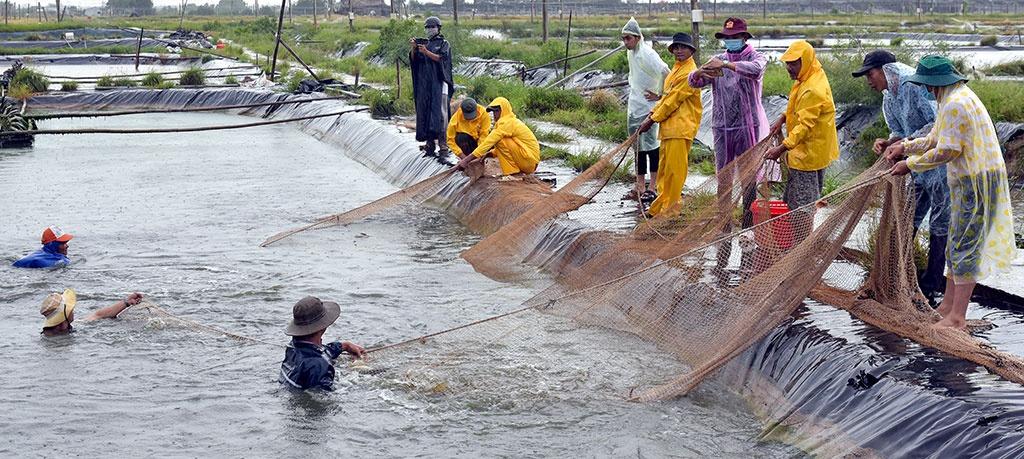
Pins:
x,y
54,233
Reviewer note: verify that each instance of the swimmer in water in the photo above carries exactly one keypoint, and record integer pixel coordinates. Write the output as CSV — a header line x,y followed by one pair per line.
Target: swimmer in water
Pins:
x,y
59,310
53,254
308,363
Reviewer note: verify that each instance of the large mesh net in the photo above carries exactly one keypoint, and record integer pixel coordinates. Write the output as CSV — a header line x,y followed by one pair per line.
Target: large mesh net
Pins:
x,y
690,290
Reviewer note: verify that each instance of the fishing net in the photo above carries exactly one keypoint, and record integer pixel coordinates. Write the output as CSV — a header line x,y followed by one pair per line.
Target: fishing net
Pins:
x,y
699,286
684,292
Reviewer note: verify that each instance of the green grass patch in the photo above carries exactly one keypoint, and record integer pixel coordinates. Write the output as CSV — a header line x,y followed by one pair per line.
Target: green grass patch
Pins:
x,y
1012,68
1003,99
550,136
152,79
68,86
192,77
31,79
548,153
383,104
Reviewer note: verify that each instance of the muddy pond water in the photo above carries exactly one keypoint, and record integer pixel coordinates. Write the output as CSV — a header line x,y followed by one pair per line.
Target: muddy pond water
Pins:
x,y
179,217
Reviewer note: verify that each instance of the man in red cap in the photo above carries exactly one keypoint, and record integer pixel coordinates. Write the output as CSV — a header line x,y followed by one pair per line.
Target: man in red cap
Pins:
x,y
54,253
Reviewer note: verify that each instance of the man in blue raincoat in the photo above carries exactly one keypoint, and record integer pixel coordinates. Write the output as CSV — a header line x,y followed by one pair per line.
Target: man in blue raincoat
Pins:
x,y
54,253
432,87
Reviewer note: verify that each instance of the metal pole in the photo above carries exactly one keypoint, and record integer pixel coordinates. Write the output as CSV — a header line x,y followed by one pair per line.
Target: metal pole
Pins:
x,y
280,22
455,11
696,17
568,34
544,17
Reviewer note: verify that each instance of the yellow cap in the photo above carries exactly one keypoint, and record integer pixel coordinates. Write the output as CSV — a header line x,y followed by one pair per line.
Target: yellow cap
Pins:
x,y
57,307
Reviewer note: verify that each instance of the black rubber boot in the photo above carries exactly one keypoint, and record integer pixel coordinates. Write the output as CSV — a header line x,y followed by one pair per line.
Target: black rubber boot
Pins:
x,y
933,279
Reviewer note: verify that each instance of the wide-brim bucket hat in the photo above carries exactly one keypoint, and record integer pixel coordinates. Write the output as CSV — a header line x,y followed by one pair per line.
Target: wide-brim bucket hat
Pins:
x,y
57,307
310,315
682,39
936,71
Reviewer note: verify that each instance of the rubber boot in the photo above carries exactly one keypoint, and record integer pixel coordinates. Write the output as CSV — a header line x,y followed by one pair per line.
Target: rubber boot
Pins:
x,y
933,279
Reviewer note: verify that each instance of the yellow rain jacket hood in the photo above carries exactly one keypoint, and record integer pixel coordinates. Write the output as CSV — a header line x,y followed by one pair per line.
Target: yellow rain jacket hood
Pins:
x,y
811,114
678,112
512,132
478,127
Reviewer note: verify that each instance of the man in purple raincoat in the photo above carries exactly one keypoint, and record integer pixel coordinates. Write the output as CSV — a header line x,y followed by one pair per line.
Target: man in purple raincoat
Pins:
x,y
737,116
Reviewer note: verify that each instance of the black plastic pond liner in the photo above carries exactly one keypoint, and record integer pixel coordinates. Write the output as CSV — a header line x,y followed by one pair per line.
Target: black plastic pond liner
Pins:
x,y
98,59
824,382
83,45
86,33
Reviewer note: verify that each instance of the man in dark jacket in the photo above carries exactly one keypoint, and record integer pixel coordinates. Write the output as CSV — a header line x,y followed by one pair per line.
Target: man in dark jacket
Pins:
x,y
308,363
432,87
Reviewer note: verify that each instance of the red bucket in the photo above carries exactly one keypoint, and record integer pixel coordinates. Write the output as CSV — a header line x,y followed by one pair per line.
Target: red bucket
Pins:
x,y
778,233
220,45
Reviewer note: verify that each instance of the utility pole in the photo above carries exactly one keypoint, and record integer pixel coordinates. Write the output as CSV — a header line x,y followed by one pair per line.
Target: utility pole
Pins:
x,y
764,4
314,13
7,7
58,10
352,16
697,16
277,41
455,11
544,18
650,13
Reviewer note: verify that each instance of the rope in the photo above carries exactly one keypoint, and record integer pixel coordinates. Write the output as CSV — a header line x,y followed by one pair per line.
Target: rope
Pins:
x,y
175,110
152,307
185,129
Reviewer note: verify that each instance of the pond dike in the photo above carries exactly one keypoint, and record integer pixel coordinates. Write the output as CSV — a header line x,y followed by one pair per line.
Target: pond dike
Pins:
x,y
823,381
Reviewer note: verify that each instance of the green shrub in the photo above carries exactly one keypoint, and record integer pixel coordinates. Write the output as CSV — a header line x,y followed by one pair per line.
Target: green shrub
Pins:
x,y
20,91
540,101
383,104
896,41
230,79
776,80
603,101
864,148
550,136
166,85
105,81
31,79
68,86
192,77
547,153
1003,99
989,40
582,161
125,82
1012,68
152,79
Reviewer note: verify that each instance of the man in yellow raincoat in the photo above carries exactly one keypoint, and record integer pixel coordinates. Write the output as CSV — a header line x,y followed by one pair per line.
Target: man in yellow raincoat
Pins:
x,y
468,126
678,117
511,141
811,142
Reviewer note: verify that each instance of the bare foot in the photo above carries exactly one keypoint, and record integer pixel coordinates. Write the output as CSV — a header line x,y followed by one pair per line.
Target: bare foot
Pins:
x,y
951,322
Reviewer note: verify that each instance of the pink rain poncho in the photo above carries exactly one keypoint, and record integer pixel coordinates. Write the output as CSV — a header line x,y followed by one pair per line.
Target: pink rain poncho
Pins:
x,y
738,120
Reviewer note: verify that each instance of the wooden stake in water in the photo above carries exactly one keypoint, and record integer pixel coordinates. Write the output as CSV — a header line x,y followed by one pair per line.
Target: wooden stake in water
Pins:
x,y
138,50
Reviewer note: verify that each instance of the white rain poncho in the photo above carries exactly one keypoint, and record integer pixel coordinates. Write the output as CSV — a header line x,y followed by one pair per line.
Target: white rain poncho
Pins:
x,y
646,73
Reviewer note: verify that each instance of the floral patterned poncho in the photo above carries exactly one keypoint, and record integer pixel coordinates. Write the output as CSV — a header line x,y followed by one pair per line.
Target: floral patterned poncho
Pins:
x,y
981,219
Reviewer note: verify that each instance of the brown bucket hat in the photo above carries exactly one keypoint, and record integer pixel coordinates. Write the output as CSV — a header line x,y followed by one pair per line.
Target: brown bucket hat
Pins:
x,y
311,315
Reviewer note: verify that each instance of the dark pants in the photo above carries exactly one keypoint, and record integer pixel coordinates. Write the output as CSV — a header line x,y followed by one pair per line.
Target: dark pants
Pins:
x,y
647,161
465,142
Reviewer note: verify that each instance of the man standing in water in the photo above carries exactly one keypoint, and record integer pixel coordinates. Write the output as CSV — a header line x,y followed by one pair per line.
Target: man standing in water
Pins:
x,y
308,363
909,112
646,77
53,254
811,142
678,114
59,311
432,86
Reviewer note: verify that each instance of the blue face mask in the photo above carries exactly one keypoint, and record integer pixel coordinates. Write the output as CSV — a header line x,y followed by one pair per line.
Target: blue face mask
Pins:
x,y
733,44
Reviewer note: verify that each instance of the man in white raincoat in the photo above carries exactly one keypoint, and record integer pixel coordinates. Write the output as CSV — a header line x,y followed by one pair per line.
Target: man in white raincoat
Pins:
x,y
646,78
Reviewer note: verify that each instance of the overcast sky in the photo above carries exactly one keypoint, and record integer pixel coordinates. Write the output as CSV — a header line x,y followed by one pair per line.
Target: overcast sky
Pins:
x,y
159,3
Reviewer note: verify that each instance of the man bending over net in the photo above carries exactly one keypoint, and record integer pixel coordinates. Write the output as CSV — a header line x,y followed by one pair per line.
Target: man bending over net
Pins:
x,y
511,141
